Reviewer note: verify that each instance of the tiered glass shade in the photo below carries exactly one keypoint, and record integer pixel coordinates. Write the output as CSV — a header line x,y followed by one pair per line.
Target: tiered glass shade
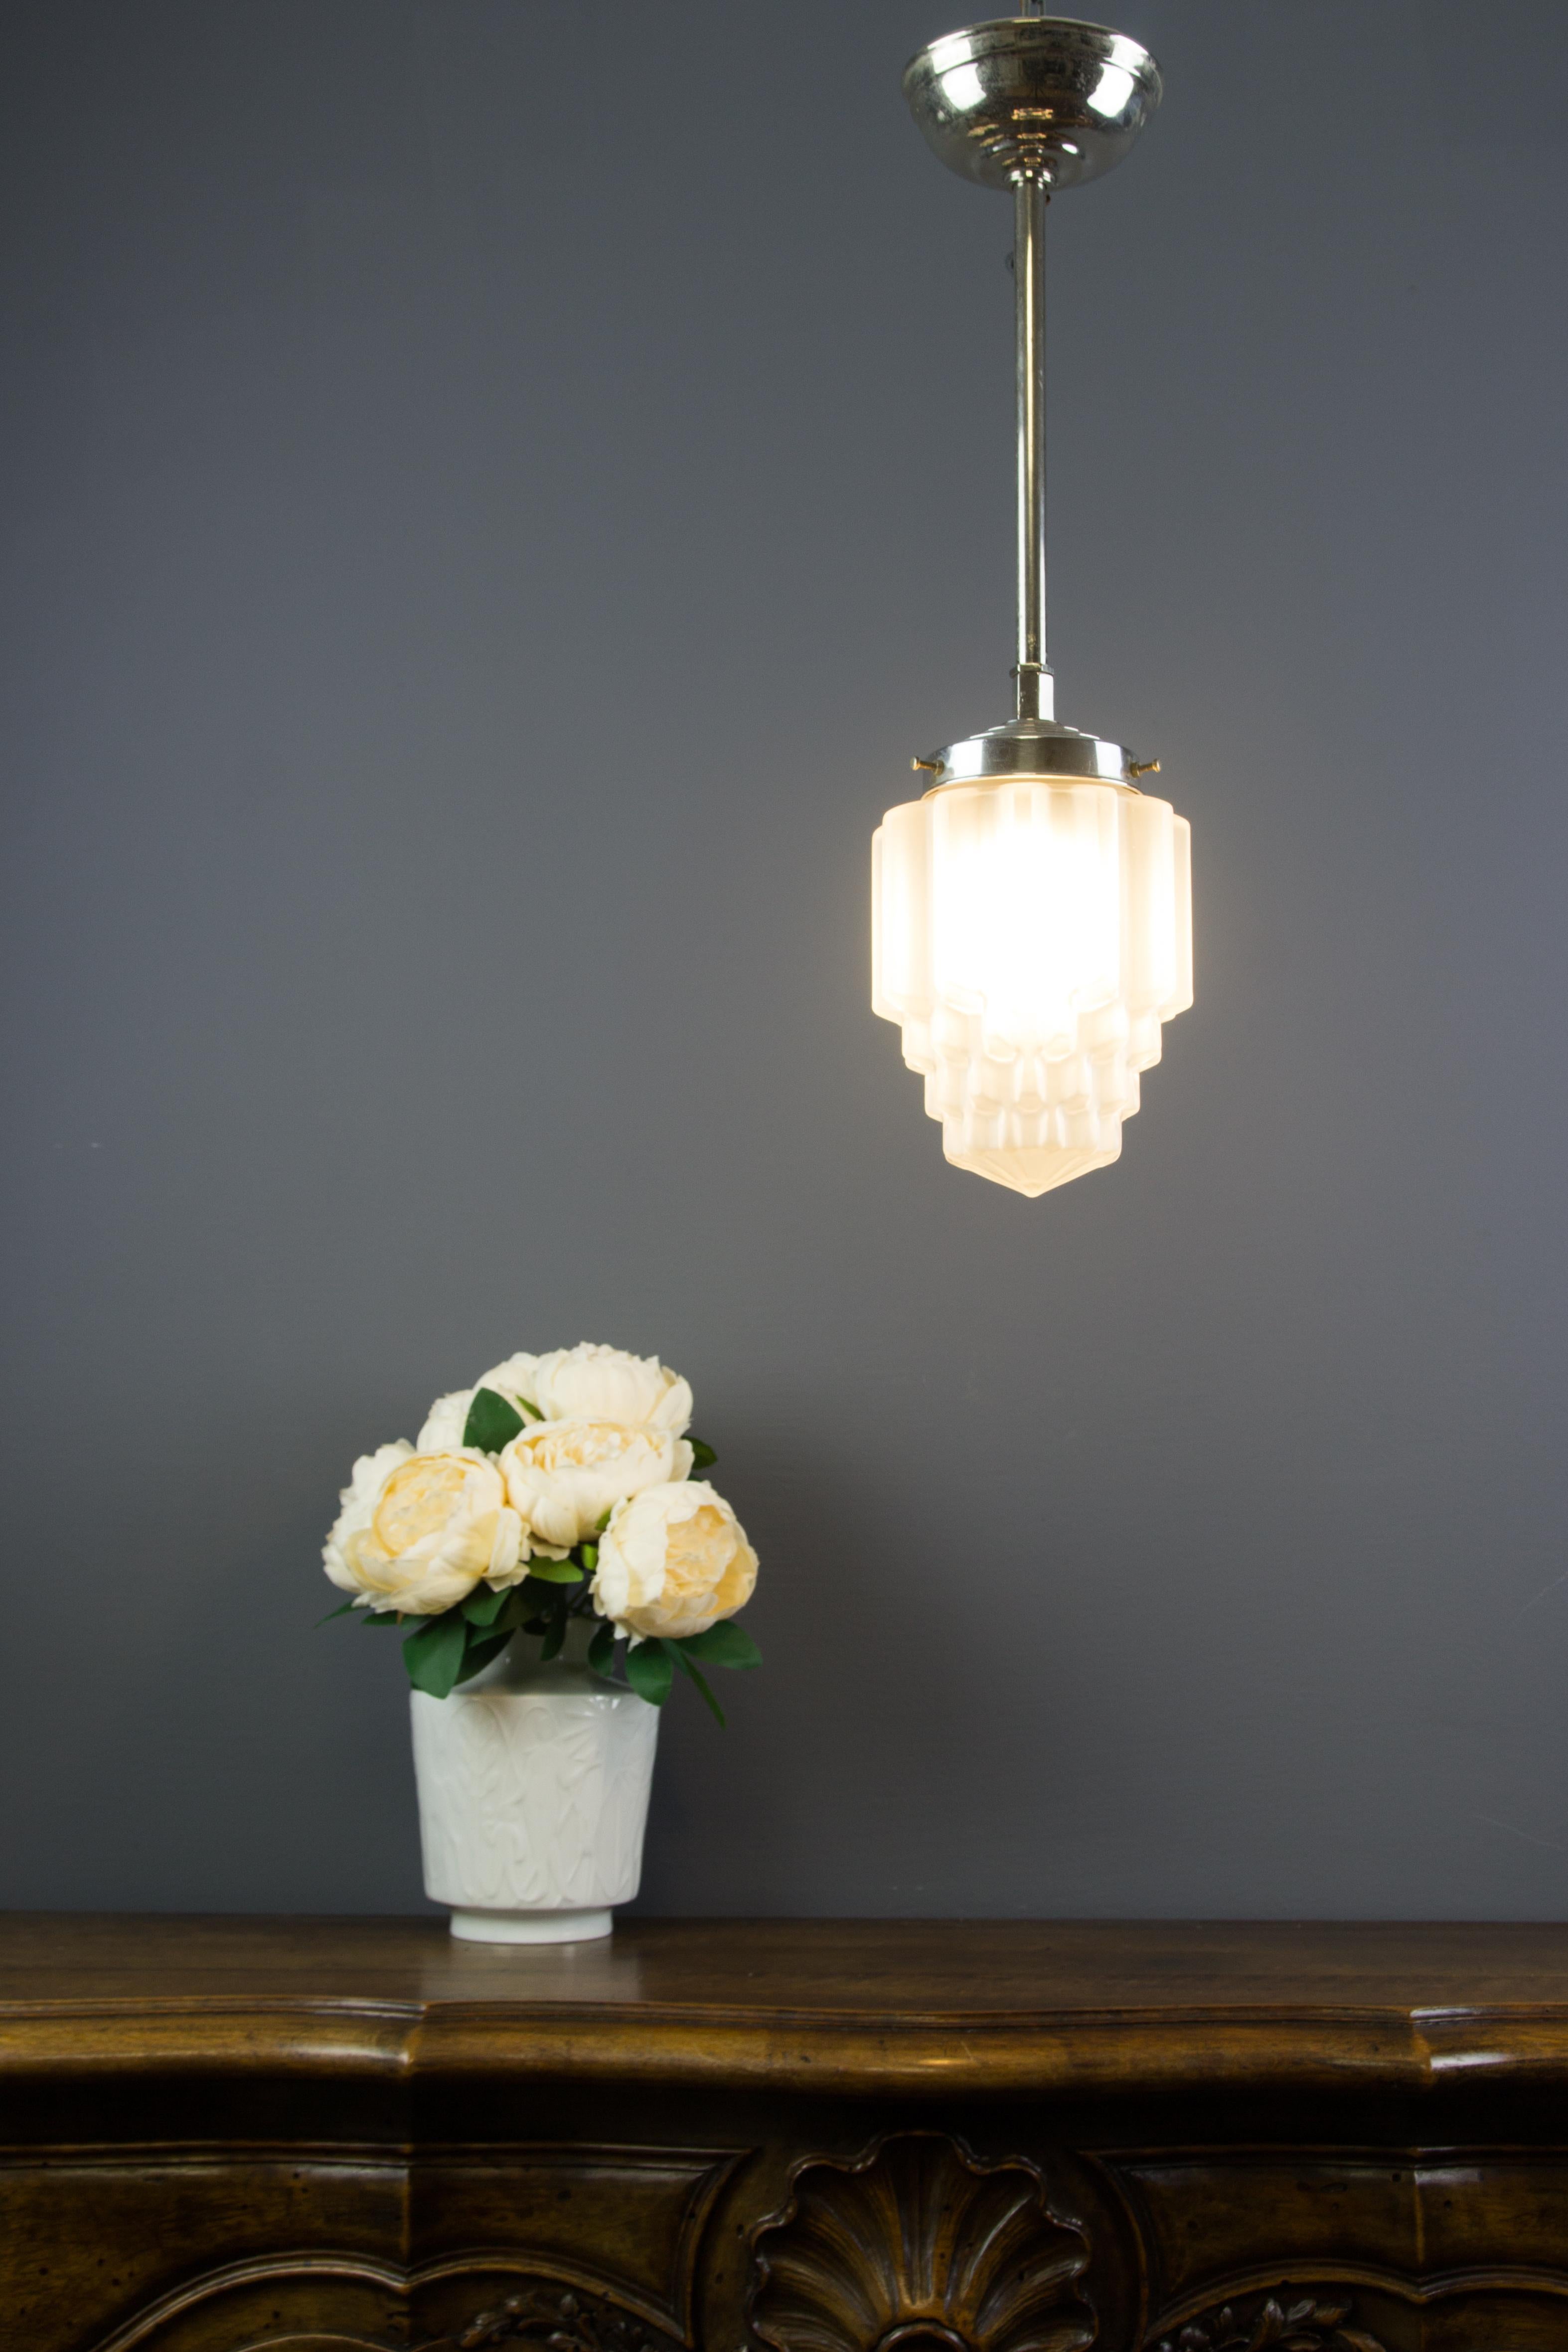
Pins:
x,y
1029,936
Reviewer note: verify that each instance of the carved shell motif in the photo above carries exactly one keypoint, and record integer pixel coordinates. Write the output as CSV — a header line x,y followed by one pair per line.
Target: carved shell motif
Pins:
x,y
919,2245
1273,2324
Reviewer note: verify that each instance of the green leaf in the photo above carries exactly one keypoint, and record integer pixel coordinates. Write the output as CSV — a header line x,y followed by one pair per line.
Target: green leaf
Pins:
x,y
589,1556
327,1620
492,1423
702,1456
531,1410
602,1521
723,1645
482,1606
650,1672
551,1645
555,1571
684,1662
434,1656
479,1652
602,1650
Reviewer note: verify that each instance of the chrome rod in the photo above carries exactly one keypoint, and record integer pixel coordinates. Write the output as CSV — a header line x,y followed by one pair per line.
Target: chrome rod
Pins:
x,y
1031,195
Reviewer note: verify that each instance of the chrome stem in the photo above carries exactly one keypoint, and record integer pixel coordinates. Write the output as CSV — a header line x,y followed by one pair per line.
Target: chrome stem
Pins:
x,y
1030,197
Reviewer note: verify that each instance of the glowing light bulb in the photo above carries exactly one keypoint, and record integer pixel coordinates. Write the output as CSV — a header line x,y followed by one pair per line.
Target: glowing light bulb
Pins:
x,y
1029,936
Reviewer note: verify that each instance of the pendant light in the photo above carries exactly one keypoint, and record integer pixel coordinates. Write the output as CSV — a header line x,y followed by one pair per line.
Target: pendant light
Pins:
x,y
1032,914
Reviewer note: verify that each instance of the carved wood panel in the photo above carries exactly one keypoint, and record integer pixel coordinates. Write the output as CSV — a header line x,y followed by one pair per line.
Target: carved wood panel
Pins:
x,y
1406,2249
784,2136
191,2250
918,2243
301,2302
907,2239
911,2242
1273,2322
545,2318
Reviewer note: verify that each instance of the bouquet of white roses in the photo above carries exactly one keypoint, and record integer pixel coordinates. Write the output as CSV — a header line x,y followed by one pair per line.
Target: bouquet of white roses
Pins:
x,y
558,1486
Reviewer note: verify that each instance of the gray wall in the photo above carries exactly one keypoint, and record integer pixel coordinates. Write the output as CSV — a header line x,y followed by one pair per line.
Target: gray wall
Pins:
x,y
478,555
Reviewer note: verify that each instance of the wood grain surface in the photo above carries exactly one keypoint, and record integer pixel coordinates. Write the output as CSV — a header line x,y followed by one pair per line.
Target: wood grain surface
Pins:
x,y
899,2004
229,2135
851,1967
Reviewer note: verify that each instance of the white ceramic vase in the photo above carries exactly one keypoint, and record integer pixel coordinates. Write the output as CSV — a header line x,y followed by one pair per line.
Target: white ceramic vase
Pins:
x,y
534,1786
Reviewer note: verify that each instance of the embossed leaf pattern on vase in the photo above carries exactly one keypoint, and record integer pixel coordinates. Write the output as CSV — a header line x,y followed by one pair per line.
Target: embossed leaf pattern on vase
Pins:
x,y
533,1799
1274,2323
918,2238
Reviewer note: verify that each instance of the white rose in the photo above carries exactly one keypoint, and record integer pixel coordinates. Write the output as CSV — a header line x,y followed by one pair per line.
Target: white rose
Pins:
x,y
358,1499
562,1477
674,1560
515,1380
589,1383
449,1416
445,1424
418,1531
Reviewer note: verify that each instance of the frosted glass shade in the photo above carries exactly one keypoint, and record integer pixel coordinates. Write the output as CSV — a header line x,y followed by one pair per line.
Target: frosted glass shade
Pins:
x,y
1029,938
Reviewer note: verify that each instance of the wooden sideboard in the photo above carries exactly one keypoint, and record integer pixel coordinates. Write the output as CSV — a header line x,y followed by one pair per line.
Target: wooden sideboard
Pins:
x,y
783,2136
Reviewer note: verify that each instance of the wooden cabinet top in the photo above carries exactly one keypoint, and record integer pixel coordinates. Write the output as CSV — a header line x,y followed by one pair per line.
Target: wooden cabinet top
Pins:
x,y
901,2005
